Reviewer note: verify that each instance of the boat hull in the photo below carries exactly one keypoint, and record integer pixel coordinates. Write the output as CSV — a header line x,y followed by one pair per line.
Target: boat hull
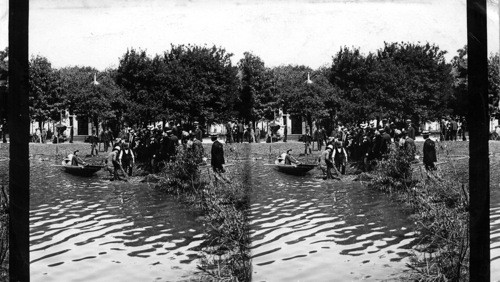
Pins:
x,y
87,170
300,169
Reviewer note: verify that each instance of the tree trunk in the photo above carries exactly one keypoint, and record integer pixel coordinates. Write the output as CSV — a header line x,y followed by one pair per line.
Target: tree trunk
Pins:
x,y
96,125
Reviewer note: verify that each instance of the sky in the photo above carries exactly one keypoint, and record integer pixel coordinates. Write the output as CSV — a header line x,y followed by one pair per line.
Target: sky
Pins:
x,y
97,32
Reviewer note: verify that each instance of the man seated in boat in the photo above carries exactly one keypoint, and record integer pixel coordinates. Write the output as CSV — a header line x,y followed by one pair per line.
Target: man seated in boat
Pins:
x,y
287,158
74,159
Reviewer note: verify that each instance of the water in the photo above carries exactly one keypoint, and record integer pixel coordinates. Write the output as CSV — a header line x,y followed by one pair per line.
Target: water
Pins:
x,y
307,229
91,229
302,229
495,232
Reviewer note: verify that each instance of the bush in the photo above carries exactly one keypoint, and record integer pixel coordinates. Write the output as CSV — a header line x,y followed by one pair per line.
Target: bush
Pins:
x,y
394,172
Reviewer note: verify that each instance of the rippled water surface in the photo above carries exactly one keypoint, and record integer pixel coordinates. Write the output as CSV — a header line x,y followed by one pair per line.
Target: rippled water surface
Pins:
x,y
92,229
307,229
302,229
495,232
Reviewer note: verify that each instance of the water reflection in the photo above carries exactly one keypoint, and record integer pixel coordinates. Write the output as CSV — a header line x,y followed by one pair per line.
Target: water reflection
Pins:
x,y
91,229
495,232
307,229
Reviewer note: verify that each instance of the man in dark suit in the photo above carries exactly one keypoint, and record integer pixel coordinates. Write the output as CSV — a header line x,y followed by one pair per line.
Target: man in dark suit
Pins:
x,y
217,154
411,130
429,152
454,129
198,134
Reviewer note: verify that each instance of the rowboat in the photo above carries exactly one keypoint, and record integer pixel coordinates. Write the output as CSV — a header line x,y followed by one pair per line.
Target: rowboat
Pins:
x,y
86,170
294,169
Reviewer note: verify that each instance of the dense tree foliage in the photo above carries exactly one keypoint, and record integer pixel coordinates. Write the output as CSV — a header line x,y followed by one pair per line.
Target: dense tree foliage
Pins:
x,y
302,95
402,80
100,102
415,81
45,92
4,78
135,74
202,83
257,89
458,103
190,83
4,64
354,76
494,85
186,83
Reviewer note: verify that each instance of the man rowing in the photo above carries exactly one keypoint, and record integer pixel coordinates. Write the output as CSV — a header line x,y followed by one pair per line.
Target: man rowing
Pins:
x,y
287,158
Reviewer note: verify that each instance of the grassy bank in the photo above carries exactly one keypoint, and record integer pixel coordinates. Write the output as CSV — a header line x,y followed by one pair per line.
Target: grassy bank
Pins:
x,y
439,204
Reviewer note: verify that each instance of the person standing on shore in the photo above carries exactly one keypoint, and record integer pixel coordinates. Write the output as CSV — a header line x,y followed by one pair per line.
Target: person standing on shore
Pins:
x,y
453,130
217,154
339,157
325,162
198,134
241,130
4,131
429,152
112,164
126,158
44,135
229,133
94,140
307,142
411,130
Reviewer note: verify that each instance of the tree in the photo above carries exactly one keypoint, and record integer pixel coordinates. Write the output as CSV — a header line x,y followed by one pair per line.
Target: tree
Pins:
x,y
494,85
299,97
257,99
4,82
45,93
353,76
4,64
459,101
136,75
414,81
202,83
89,100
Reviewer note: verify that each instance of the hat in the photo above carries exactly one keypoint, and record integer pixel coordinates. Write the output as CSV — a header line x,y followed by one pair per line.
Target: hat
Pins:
x,y
425,133
329,147
117,148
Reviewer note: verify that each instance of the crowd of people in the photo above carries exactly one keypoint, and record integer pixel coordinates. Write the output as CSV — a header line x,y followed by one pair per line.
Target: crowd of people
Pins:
x,y
151,146
452,128
364,146
239,132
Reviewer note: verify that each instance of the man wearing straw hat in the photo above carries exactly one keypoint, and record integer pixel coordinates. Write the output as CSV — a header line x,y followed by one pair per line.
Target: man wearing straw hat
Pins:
x,y
325,162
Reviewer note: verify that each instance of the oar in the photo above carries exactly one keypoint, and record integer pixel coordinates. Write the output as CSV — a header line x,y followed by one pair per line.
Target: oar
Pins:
x,y
121,168
338,172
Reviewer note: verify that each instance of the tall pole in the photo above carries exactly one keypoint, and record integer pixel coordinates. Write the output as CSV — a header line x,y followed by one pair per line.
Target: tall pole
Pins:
x,y
478,119
19,124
